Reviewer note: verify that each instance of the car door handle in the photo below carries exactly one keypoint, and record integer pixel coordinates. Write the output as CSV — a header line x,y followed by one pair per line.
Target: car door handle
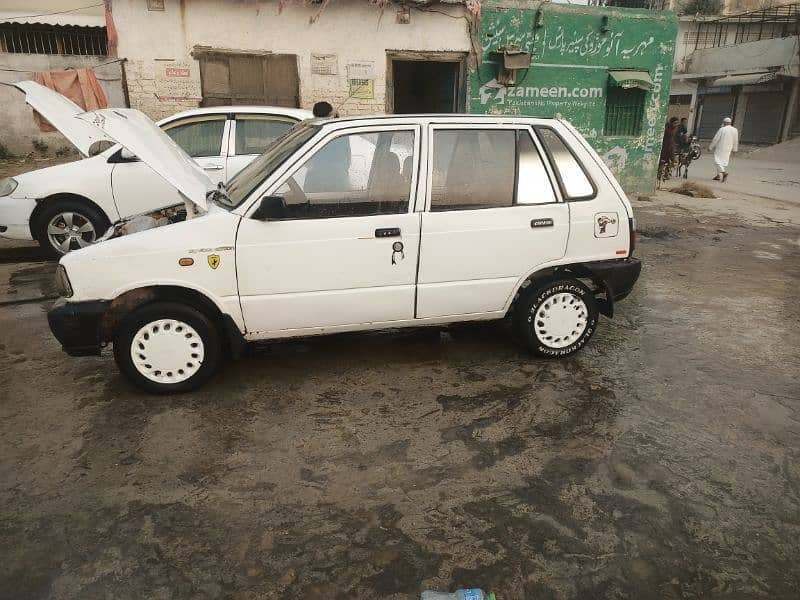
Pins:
x,y
387,232
541,223
212,168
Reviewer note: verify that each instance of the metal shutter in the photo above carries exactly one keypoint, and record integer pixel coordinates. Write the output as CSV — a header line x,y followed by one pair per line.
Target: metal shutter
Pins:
x,y
715,108
763,118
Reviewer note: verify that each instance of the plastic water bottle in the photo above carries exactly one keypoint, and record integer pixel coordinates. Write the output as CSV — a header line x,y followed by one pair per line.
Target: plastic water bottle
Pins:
x,y
466,594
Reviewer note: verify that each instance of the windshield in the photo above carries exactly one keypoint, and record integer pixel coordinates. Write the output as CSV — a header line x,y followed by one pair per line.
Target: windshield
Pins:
x,y
248,179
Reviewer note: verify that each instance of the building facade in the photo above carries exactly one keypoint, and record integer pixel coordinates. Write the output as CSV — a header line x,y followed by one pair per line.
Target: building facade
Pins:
x,y
604,69
607,70
60,35
744,67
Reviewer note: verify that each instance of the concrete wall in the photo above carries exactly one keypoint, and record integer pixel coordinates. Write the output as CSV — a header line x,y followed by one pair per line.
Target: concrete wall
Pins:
x,y
353,30
750,56
18,131
572,57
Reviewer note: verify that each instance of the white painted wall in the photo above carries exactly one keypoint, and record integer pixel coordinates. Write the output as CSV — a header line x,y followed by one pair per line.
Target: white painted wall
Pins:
x,y
18,131
353,29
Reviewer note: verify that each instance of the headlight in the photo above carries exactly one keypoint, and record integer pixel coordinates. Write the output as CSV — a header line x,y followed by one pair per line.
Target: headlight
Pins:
x,y
7,185
63,286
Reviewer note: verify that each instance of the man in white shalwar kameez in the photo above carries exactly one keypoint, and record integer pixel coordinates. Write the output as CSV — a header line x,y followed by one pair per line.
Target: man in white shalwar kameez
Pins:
x,y
725,141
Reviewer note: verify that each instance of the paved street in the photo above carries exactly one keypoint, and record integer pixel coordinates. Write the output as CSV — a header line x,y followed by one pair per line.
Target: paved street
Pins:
x,y
662,461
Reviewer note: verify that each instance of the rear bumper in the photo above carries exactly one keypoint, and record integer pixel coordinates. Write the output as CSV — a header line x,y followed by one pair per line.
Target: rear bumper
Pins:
x,y
619,275
77,326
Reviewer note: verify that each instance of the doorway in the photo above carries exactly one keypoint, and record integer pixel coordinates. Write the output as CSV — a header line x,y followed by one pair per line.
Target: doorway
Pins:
x,y
425,82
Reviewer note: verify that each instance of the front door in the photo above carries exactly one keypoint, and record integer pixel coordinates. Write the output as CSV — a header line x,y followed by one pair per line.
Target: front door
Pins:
x,y
346,253
138,189
493,215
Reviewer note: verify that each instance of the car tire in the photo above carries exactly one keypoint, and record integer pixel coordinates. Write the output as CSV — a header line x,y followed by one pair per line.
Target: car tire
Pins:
x,y
557,318
81,222
167,348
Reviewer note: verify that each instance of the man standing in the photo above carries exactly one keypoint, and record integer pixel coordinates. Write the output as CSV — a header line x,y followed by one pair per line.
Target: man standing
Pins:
x,y
682,135
725,141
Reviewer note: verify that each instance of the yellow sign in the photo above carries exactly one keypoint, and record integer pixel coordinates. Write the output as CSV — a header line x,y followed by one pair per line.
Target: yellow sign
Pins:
x,y
213,260
362,88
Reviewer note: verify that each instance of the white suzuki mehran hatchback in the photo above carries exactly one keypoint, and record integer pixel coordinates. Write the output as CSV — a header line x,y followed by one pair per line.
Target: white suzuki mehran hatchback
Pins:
x,y
355,224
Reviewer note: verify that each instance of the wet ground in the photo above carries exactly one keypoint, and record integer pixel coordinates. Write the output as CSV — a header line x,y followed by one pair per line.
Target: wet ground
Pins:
x,y
663,461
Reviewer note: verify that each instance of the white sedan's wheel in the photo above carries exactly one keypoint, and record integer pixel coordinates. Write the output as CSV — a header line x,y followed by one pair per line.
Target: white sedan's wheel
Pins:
x,y
68,231
561,320
167,351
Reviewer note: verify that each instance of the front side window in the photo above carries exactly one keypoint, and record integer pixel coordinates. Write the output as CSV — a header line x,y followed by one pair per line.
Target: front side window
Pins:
x,y
255,132
473,169
198,137
353,175
575,183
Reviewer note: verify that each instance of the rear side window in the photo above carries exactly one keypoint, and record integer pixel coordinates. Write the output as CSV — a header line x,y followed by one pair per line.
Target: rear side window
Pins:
x,y
473,168
255,132
575,183
533,185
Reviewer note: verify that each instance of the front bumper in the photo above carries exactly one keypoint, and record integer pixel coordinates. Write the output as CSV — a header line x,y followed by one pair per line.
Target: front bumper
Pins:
x,y
77,325
15,216
618,275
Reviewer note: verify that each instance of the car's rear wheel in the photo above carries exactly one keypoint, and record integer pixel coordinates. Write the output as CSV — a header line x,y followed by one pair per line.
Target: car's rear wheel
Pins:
x,y
167,348
557,318
67,225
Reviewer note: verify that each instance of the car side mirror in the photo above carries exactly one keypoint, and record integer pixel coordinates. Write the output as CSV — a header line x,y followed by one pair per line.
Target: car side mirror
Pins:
x,y
127,155
271,208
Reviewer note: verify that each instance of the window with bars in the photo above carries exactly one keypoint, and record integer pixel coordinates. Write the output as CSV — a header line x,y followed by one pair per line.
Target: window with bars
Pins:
x,y
624,111
20,38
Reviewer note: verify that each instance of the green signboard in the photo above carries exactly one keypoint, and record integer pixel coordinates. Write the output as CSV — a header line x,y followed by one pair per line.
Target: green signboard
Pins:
x,y
606,70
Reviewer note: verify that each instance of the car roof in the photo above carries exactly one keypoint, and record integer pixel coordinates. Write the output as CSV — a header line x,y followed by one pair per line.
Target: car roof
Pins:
x,y
431,118
281,111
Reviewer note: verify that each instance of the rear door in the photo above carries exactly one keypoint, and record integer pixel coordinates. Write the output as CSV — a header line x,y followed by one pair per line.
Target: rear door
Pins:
x,y
205,139
493,214
346,253
250,135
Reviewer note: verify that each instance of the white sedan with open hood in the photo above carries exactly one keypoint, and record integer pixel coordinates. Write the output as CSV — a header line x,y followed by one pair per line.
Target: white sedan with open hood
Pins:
x,y
349,225
70,206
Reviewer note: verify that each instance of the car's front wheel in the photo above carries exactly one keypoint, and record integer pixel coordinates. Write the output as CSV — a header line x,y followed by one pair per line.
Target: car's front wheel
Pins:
x,y
557,318
167,348
66,225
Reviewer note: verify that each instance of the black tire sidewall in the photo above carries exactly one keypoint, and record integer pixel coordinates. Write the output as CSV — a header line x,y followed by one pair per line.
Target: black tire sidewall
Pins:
x,y
167,310
96,217
536,297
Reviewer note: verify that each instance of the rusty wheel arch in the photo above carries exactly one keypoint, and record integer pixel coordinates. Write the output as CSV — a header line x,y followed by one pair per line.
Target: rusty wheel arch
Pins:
x,y
125,303
576,271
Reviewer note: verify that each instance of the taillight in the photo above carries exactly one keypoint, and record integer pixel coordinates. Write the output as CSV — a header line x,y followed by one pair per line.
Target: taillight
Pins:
x,y
632,226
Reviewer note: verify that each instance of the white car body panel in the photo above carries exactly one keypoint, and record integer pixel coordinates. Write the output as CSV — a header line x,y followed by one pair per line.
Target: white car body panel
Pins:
x,y
294,277
133,130
60,111
118,189
150,258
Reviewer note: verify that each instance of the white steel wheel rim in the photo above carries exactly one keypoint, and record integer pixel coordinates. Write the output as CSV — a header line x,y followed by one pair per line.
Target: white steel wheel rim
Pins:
x,y
560,320
69,229
167,351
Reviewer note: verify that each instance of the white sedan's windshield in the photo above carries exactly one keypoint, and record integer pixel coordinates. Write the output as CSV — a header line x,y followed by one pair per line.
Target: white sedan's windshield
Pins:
x,y
248,179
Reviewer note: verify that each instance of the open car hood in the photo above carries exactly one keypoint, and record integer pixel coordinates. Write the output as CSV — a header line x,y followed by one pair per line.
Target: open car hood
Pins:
x,y
60,111
135,132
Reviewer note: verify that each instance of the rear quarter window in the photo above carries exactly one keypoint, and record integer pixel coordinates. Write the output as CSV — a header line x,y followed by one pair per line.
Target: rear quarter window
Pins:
x,y
572,177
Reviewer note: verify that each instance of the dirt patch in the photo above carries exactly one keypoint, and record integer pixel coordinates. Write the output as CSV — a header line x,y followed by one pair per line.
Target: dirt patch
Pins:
x,y
695,190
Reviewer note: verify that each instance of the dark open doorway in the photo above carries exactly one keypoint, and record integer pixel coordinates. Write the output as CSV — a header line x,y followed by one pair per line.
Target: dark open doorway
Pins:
x,y
425,83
